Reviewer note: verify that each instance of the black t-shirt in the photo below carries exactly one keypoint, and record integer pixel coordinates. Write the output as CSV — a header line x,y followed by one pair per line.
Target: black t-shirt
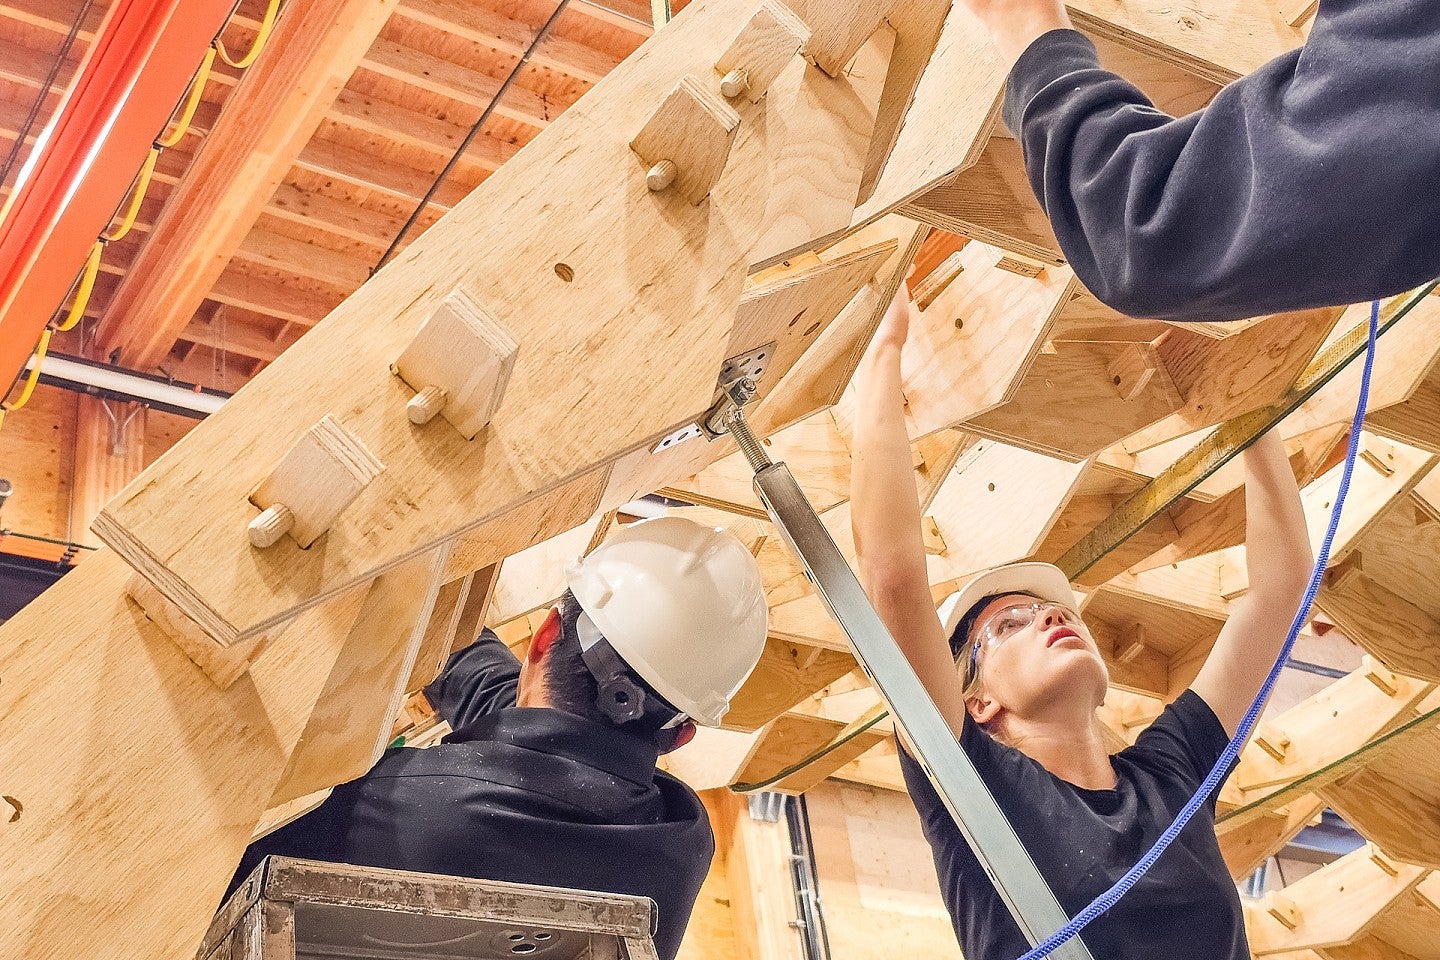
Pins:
x,y
1185,908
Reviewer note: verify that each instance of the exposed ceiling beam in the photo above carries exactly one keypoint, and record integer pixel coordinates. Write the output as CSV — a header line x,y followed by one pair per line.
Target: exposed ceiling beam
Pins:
x,y
273,251
435,136
268,121
307,308
632,16
237,338
458,82
480,24
371,172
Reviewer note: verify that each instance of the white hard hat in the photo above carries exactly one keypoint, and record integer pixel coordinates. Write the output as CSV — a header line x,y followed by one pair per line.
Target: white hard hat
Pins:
x,y
1043,580
682,604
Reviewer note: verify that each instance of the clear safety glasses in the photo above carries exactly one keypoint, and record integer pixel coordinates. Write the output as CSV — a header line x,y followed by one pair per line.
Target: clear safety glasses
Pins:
x,y
1006,623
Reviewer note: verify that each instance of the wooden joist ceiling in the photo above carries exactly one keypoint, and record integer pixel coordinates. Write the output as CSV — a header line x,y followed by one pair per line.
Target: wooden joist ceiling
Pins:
x,y
345,183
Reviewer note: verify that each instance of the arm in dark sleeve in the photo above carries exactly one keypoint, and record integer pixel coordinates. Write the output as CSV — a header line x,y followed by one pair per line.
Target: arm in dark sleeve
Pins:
x,y
477,680
1314,181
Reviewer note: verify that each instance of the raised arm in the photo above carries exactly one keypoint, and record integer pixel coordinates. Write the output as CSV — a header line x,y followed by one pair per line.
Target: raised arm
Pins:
x,y
1306,183
885,518
1278,558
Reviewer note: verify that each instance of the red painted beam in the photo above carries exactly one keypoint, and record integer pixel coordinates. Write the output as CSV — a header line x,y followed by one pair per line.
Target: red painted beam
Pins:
x,y
83,163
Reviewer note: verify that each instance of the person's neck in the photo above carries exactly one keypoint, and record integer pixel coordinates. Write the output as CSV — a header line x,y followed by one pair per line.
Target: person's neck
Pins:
x,y
1071,748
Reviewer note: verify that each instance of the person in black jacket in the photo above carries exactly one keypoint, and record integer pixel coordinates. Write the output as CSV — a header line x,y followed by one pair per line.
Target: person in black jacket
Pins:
x,y
1314,181
549,775
1014,671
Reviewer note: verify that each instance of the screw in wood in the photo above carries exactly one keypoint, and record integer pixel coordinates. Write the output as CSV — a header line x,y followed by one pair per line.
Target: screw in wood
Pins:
x,y
425,405
661,175
273,523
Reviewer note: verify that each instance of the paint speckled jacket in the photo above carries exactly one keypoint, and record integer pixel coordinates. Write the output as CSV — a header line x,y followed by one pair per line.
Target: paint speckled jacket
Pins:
x,y
1314,181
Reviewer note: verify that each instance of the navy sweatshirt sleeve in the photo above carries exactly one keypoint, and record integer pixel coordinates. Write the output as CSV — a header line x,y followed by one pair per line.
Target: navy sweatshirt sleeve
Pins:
x,y
477,680
1314,181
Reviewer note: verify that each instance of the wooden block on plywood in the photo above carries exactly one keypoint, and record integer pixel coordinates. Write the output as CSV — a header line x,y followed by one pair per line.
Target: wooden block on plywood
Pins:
x,y
839,30
1394,799
1153,647
848,743
686,142
222,664
1219,47
1073,403
502,243
937,280
1245,846
947,112
1332,906
321,475
458,364
989,323
997,505
991,201
819,378
793,738
1220,379
787,673
763,48
1415,420
800,305
1402,635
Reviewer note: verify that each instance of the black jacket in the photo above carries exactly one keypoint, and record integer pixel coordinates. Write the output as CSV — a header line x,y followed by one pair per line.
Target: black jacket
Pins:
x,y
531,795
1314,181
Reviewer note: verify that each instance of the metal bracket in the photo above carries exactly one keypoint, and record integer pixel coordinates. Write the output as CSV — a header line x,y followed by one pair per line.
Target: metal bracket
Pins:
x,y
739,382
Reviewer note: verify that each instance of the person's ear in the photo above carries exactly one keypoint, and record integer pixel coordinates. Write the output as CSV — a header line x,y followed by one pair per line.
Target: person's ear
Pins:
x,y
545,637
678,737
982,709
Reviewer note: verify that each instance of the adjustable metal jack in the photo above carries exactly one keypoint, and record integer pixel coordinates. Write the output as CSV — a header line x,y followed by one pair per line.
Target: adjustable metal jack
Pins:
x,y
969,801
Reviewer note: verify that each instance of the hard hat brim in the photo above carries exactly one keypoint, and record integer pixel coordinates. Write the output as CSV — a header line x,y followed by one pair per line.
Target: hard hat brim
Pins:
x,y
1043,580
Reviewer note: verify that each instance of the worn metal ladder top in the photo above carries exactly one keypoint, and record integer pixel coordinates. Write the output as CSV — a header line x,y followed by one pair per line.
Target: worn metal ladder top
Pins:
x,y
303,910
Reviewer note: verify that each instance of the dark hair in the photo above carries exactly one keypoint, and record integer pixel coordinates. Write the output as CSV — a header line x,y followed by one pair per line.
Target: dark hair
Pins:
x,y
572,688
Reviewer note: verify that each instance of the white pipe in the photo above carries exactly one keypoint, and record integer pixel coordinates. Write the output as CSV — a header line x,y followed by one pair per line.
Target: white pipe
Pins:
x,y
137,387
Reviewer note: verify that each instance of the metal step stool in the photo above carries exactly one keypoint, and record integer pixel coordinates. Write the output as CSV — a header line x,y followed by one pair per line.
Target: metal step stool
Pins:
x,y
303,910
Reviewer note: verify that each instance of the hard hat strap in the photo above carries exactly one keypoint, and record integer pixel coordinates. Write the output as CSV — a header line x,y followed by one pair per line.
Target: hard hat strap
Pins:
x,y
620,698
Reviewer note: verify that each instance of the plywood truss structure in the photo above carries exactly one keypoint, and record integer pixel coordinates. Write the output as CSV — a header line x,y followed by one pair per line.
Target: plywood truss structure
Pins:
x,y
184,688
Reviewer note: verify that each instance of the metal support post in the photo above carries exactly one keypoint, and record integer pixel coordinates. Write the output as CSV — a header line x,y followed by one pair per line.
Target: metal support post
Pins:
x,y
965,795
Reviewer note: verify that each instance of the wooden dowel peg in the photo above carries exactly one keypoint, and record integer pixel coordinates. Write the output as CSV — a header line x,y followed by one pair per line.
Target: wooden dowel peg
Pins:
x,y
661,175
734,83
425,405
273,523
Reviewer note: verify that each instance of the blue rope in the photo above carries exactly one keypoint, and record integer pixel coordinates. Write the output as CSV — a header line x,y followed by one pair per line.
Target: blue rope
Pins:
x,y
1221,769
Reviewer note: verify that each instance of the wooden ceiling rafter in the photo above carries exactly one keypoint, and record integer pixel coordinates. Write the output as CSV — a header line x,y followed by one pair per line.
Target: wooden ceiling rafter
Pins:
x,y
273,114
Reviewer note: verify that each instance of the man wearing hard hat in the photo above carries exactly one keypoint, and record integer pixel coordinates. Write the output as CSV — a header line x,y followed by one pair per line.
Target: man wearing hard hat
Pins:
x,y
549,774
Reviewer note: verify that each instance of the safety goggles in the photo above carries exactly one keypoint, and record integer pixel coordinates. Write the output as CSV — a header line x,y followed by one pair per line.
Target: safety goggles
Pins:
x,y
1006,623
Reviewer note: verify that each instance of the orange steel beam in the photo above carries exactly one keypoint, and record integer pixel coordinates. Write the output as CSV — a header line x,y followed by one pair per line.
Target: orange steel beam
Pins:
x,y
83,163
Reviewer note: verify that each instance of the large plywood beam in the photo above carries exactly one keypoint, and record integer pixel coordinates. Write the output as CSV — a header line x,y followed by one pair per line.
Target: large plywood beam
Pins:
x,y
137,782
582,393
